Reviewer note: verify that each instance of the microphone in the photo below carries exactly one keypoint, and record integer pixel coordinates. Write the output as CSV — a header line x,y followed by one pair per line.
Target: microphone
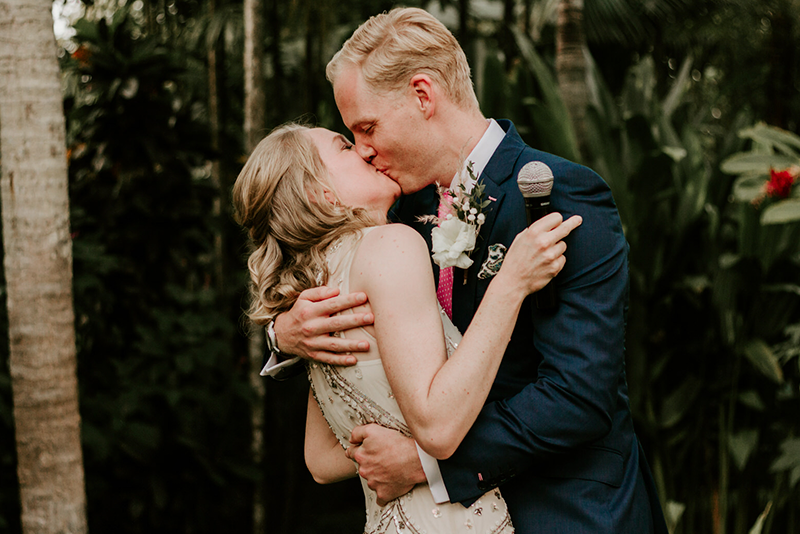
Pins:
x,y
535,181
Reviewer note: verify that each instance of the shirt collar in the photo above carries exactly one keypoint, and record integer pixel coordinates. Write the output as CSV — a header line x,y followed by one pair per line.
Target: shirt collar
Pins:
x,y
480,155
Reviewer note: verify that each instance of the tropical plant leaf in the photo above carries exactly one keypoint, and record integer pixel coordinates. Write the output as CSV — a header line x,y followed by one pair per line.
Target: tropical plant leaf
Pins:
x,y
772,136
759,524
752,400
783,212
763,358
756,163
789,460
748,188
673,512
741,445
552,110
679,87
677,404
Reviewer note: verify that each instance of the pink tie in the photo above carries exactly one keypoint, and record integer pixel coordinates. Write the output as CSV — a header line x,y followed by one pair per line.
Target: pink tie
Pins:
x,y
445,290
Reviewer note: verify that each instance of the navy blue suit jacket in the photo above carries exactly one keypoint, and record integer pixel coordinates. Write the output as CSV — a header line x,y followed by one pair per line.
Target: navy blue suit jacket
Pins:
x,y
556,433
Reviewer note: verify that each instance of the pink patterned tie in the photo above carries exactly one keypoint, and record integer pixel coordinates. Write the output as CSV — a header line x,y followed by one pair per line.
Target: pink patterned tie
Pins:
x,y
445,290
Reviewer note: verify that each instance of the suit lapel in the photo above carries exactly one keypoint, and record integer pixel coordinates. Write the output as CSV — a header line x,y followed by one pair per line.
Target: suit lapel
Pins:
x,y
465,282
466,296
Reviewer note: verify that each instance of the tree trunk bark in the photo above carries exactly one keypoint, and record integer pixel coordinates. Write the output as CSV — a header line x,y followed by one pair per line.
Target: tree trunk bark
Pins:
x,y
255,103
38,267
571,67
255,106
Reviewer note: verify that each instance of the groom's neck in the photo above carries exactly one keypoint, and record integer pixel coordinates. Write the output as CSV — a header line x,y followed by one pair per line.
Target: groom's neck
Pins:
x,y
463,130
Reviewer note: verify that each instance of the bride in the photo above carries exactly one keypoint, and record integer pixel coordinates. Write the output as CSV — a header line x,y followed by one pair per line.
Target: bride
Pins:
x,y
316,212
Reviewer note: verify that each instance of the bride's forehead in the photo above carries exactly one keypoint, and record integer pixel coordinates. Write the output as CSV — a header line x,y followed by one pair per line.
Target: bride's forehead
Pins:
x,y
319,136
322,134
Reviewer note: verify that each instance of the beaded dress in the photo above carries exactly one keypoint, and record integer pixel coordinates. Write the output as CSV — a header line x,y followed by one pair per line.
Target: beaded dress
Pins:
x,y
357,395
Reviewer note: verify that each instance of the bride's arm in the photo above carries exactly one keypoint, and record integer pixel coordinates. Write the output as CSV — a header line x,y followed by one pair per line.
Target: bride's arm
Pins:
x,y
441,398
325,457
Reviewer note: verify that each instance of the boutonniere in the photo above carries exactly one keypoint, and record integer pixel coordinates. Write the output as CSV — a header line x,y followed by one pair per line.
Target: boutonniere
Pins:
x,y
458,222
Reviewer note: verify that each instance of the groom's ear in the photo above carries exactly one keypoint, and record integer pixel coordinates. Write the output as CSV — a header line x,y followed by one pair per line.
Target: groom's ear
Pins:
x,y
424,94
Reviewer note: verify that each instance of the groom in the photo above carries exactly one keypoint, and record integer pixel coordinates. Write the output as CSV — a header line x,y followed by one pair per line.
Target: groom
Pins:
x,y
556,433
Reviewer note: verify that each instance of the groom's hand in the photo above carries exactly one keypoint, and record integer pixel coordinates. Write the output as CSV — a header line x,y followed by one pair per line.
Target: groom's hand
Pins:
x,y
387,460
305,330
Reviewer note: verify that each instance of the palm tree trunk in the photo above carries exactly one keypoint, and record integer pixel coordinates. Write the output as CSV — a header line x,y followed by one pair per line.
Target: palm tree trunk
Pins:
x,y
254,124
38,267
571,67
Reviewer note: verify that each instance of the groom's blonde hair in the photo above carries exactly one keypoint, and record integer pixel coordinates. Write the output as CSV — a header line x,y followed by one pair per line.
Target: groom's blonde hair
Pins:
x,y
392,47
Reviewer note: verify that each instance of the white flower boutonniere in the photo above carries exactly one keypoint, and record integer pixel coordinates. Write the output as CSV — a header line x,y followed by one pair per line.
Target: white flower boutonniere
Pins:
x,y
452,240
458,223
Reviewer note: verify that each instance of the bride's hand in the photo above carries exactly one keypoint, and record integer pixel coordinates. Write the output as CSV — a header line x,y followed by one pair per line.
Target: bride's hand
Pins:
x,y
537,253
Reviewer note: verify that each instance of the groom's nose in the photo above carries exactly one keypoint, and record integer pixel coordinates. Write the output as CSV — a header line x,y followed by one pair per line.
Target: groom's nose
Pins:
x,y
365,151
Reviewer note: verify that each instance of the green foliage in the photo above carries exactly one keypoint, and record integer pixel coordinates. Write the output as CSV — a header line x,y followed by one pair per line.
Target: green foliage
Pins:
x,y
714,291
713,295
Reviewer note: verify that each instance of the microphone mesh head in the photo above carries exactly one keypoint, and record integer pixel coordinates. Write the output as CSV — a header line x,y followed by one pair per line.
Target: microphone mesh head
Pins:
x,y
535,179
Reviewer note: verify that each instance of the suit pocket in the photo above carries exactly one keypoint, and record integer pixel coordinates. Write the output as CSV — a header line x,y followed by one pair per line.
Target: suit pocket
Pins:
x,y
598,464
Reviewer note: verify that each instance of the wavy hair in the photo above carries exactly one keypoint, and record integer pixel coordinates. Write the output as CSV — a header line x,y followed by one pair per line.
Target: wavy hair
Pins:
x,y
279,199
392,47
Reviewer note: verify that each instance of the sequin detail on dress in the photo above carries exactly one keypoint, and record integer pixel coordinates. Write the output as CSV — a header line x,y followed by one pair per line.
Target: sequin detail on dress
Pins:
x,y
366,410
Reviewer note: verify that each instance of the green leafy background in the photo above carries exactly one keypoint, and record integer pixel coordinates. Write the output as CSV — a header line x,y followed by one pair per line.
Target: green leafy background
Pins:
x,y
692,104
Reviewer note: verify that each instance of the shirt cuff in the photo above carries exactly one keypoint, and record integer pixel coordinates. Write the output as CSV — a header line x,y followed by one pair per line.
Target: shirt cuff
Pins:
x,y
434,476
274,366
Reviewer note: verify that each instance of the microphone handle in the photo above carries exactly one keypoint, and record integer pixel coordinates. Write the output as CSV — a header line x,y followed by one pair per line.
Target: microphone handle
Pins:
x,y
536,208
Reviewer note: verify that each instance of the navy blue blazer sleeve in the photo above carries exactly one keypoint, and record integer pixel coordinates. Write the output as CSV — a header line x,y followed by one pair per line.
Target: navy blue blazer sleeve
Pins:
x,y
558,390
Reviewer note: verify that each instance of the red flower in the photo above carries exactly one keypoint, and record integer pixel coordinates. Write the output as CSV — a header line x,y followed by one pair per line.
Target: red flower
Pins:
x,y
780,183
82,55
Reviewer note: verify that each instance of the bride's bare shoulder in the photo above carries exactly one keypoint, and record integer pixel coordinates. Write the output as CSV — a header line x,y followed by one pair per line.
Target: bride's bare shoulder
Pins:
x,y
391,249
394,237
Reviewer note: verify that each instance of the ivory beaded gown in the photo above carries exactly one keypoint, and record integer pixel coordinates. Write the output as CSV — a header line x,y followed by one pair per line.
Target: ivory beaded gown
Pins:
x,y
357,395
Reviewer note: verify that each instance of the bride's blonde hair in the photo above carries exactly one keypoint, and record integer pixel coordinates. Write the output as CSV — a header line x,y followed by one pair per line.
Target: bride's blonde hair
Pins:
x,y
279,198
